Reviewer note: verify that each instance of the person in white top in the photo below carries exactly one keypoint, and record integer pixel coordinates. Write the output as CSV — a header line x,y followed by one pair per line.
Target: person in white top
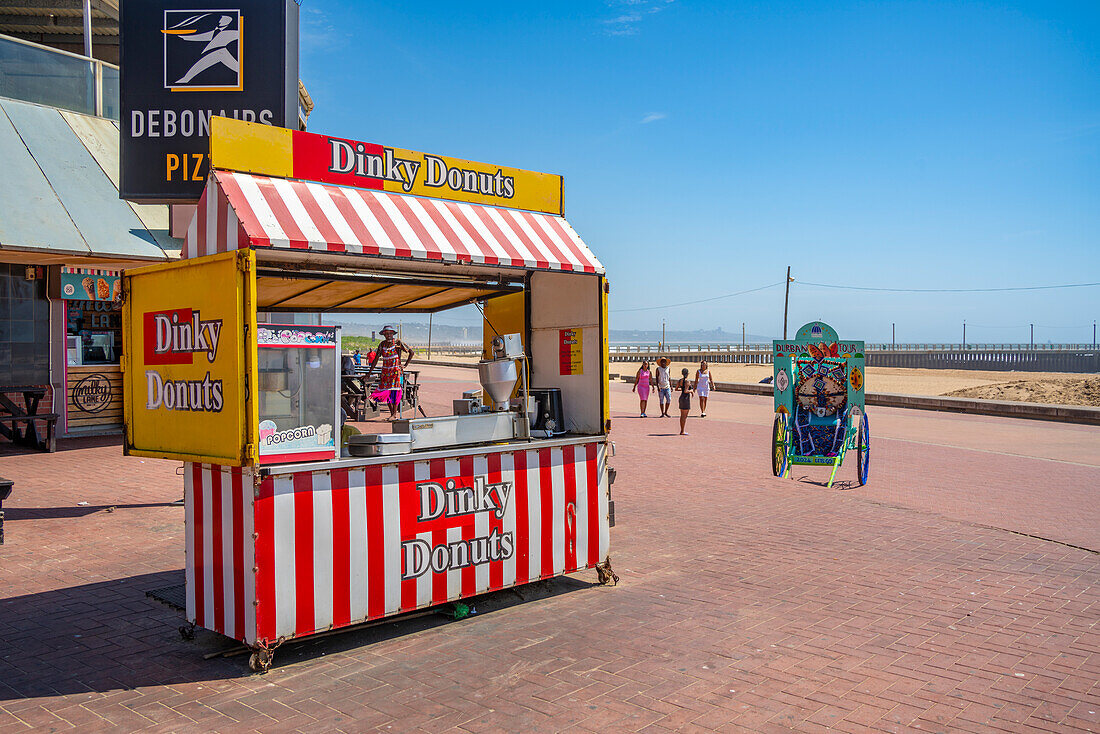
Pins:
x,y
664,386
702,387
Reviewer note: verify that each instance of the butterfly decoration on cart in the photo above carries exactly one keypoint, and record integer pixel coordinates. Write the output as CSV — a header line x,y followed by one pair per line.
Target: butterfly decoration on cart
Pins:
x,y
820,406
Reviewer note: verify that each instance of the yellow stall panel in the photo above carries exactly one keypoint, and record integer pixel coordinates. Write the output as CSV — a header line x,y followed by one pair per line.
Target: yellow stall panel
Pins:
x,y
190,332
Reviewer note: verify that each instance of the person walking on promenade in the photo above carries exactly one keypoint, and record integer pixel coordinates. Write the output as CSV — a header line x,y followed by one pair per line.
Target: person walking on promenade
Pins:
x,y
641,385
685,388
389,384
664,386
702,387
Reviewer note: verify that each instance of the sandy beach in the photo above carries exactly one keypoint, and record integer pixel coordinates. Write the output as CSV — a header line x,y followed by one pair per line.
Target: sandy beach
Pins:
x,y
1056,388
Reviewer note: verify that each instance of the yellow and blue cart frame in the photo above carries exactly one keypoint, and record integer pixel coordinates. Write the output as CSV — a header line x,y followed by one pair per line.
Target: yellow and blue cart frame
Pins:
x,y
820,403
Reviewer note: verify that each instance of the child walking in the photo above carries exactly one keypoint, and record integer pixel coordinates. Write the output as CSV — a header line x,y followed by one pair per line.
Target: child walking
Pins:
x,y
684,385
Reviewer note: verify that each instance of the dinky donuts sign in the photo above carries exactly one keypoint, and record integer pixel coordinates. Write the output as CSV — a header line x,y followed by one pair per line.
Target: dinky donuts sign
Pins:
x,y
185,374
241,146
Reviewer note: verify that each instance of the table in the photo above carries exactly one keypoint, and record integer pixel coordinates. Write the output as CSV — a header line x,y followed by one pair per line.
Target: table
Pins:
x,y
355,393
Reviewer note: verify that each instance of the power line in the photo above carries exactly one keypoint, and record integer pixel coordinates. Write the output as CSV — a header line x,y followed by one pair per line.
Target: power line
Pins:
x,y
949,290
879,290
701,300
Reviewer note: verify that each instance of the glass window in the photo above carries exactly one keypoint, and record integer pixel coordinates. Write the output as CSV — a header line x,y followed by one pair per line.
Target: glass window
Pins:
x,y
24,328
93,332
48,78
110,92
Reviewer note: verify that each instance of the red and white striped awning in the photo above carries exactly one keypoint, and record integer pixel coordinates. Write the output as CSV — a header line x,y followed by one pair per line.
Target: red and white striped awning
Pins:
x,y
244,210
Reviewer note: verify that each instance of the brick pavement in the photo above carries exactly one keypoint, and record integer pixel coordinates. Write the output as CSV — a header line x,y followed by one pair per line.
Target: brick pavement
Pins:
x,y
747,603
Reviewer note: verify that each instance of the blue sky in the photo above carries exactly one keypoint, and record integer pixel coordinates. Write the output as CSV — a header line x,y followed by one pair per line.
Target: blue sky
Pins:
x,y
708,145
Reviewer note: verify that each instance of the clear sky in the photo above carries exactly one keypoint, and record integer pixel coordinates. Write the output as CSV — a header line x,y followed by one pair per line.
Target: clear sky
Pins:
x,y
708,145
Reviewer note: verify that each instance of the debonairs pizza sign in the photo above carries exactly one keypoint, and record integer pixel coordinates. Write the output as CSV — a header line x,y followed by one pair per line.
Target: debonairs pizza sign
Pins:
x,y
184,62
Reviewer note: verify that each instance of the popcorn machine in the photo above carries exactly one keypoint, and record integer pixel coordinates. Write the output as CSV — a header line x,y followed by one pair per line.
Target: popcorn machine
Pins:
x,y
298,392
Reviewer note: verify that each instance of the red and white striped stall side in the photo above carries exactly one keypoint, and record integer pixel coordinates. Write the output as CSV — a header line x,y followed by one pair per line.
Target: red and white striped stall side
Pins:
x,y
316,550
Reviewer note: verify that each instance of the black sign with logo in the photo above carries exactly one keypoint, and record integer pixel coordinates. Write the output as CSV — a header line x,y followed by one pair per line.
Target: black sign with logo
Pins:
x,y
185,61
92,394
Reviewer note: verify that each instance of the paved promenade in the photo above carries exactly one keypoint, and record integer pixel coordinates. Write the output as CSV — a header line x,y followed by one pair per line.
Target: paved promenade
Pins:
x,y
958,591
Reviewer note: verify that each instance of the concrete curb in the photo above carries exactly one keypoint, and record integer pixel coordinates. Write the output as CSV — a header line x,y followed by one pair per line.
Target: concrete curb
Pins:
x,y
440,363
999,408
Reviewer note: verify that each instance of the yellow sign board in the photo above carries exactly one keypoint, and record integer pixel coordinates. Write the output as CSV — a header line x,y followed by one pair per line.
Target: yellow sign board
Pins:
x,y
189,329
571,351
271,151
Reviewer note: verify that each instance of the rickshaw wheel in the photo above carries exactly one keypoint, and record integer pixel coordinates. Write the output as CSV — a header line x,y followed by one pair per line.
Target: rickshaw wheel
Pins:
x,y
863,450
779,444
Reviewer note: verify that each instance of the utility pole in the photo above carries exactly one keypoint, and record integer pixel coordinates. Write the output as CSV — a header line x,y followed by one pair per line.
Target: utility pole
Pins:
x,y
893,336
743,335
662,335
1033,336
430,335
964,333
786,300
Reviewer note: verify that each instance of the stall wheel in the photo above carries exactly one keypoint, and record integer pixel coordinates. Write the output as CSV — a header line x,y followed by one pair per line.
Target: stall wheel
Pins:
x,y
187,632
606,575
263,654
260,661
863,450
779,444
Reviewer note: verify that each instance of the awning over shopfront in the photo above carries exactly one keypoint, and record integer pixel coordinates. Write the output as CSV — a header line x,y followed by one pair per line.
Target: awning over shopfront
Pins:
x,y
59,192
245,210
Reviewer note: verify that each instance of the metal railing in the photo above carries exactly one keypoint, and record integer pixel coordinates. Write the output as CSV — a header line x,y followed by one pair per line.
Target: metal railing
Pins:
x,y
55,78
625,349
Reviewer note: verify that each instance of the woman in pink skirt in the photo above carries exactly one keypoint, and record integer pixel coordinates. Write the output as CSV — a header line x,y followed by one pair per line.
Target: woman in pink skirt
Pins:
x,y
389,386
641,385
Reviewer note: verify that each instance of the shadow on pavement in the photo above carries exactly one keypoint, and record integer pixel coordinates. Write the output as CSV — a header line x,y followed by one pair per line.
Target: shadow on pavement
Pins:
x,y
110,636
485,605
842,484
52,513
63,444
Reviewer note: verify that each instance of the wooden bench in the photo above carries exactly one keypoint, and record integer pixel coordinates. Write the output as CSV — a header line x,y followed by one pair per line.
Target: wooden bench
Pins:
x,y
29,435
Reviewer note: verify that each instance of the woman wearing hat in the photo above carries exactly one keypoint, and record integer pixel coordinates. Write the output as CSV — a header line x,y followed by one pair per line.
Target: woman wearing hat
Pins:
x,y
389,385
664,386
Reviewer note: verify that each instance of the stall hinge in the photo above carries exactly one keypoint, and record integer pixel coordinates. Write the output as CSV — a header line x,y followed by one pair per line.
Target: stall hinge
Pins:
x,y
122,360
251,455
244,264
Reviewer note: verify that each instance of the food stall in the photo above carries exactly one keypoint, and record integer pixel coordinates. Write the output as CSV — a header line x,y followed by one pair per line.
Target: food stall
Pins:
x,y
93,344
289,533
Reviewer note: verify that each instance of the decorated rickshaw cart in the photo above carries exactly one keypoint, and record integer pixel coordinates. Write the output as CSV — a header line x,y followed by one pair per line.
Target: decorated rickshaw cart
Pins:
x,y
820,412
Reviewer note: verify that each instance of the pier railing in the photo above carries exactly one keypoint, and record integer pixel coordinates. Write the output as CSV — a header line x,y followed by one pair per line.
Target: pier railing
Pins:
x,y
1082,358
994,357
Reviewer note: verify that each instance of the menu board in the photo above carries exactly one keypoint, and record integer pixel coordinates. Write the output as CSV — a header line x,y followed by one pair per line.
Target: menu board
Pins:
x,y
570,351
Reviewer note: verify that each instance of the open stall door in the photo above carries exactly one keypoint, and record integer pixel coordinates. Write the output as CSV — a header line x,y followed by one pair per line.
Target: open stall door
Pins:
x,y
189,370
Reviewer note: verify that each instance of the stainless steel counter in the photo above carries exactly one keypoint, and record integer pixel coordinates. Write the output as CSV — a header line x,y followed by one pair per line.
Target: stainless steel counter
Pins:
x,y
352,462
